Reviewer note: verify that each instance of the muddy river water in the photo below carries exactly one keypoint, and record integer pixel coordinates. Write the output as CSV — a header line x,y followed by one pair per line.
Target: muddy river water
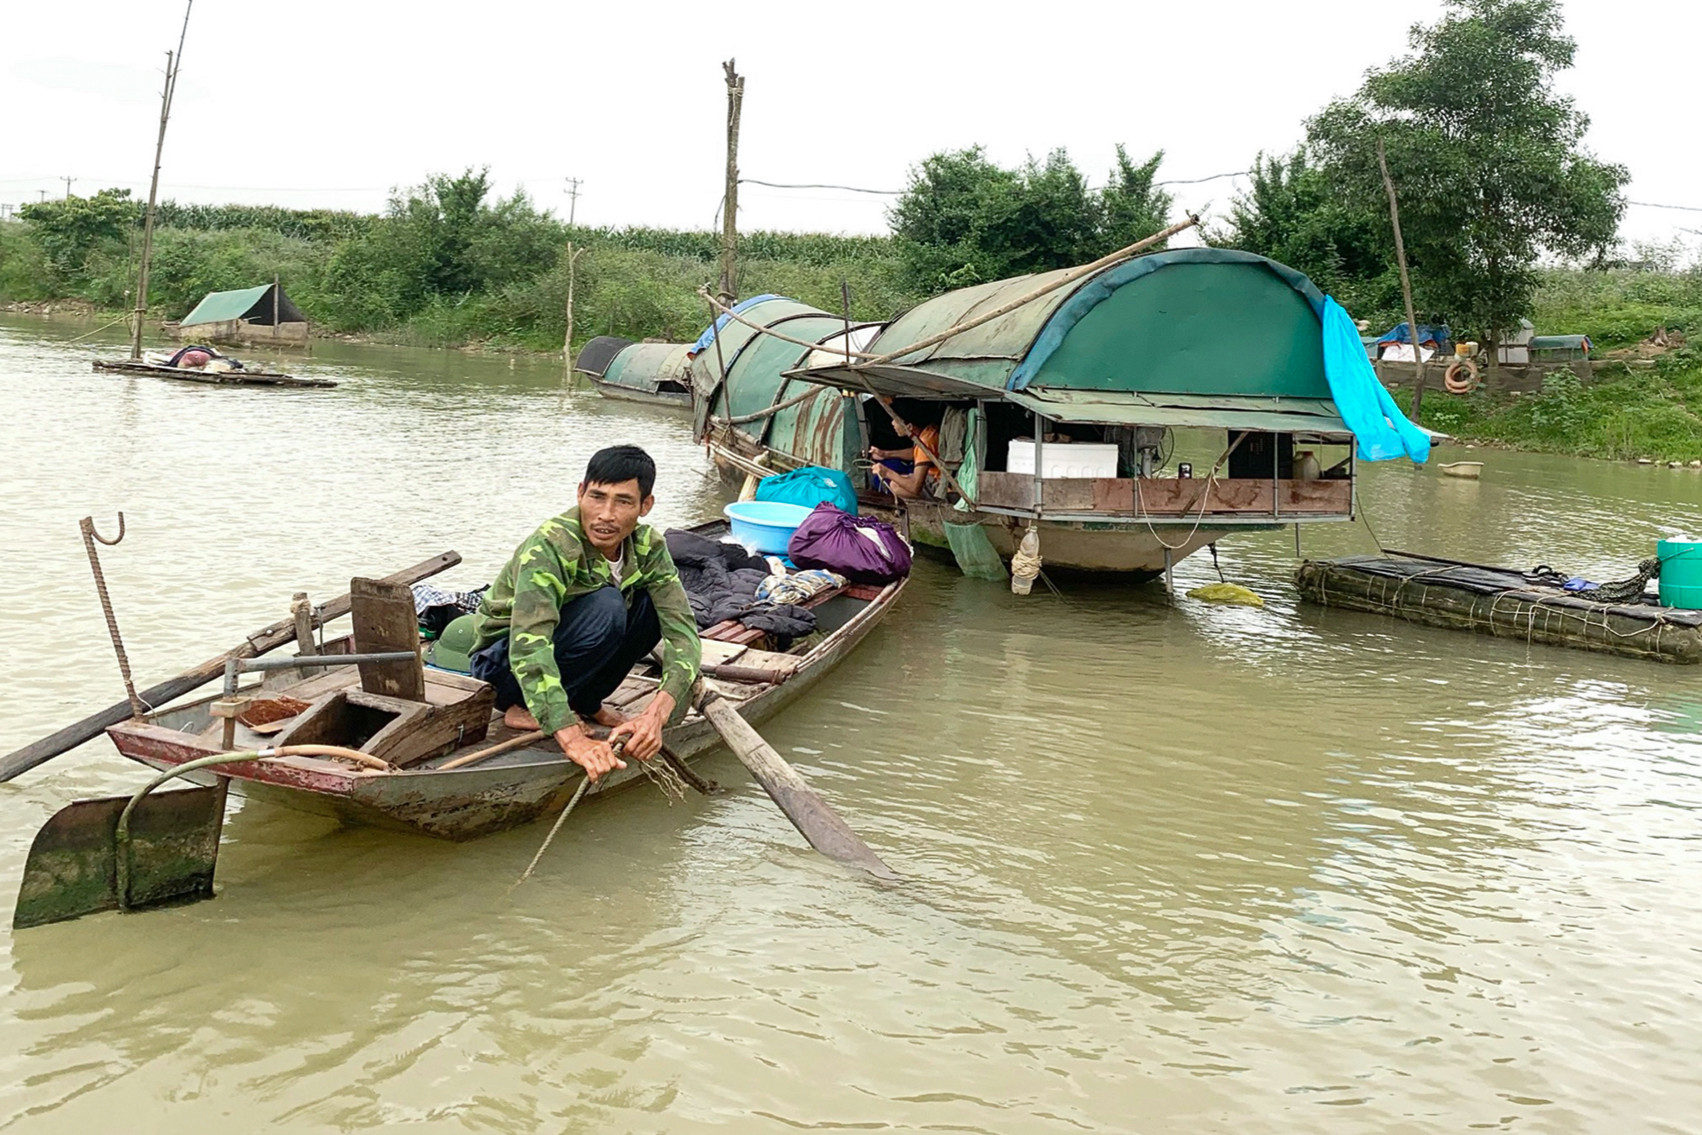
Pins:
x,y
1171,866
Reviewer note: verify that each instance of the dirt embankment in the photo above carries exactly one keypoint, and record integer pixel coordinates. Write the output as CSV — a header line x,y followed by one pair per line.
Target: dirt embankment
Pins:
x,y
52,307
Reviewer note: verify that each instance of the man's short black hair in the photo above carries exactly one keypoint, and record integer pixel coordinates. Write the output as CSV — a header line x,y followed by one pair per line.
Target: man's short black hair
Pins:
x,y
620,463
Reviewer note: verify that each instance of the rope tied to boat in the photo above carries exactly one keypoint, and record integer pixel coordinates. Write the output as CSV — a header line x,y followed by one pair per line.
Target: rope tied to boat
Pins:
x,y
90,536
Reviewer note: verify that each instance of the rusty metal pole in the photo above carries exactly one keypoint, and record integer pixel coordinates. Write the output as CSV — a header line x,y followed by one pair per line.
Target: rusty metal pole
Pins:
x,y
729,289
90,536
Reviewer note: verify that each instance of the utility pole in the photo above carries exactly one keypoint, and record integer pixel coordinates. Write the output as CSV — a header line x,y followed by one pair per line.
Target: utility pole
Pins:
x,y
730,200
67,181
573,184
43,193
173,64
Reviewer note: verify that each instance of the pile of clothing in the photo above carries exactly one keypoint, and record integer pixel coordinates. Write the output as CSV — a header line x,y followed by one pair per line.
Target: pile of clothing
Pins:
x,y
724,581
437,607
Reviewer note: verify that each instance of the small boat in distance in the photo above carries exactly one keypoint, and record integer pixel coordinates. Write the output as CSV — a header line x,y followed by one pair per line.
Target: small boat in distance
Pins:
x,y
658,374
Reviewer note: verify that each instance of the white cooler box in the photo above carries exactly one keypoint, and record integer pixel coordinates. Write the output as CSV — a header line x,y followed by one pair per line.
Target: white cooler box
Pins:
x,y
1064,459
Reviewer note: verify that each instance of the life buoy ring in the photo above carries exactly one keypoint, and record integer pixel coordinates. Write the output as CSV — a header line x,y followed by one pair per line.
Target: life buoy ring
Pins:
x,y
1461,377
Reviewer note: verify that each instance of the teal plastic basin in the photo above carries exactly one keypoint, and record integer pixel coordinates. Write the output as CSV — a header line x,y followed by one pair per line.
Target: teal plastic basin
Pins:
x,y
765,526
1681,573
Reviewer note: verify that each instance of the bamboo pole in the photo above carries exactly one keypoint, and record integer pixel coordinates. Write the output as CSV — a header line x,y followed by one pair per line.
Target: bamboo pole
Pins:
x,y
730,200
173,64
1406,282
573,255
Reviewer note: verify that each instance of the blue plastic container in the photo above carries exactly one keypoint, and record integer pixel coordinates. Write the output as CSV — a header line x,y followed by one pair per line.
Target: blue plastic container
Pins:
x,y
765,526
1681,573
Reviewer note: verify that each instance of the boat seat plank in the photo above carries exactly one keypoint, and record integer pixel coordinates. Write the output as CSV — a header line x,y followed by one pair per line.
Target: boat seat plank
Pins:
x,y
384,620
718,653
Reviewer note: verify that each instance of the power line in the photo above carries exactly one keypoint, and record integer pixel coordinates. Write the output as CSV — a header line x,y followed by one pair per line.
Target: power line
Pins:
x,y
1680,208
901,192
1202,180
812,185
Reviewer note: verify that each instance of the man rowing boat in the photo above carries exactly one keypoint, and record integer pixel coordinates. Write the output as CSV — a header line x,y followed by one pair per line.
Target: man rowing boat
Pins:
x,y
581,600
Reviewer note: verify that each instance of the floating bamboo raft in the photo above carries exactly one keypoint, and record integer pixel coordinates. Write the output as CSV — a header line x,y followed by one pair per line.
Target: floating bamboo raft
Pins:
x,y
213,378
1501,602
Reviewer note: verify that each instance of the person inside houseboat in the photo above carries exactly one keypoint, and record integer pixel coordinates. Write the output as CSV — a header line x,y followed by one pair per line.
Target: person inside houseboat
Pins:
x,y
582,599
909,473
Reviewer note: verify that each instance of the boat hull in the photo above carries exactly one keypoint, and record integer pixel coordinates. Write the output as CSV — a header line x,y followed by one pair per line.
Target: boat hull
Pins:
x,y
678,400
213,378
507,791
1140,551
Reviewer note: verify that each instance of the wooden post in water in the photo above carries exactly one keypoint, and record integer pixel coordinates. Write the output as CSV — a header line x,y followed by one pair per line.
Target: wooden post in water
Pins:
x,y
567,340
729,290
173,63
1406,282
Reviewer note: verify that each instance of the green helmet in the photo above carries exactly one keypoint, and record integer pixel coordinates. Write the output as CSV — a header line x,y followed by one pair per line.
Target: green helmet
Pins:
x,y
452,647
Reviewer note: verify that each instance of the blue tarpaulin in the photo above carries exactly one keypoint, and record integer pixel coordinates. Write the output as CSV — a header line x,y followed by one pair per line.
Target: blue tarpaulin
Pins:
x,y
709,332
1382,431
1427,333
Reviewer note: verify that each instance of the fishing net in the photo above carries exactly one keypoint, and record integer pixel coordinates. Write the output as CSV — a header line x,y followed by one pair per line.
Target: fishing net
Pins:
x,y
974,551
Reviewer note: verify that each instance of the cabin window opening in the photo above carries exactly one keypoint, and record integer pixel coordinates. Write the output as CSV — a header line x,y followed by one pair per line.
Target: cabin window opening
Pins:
x,y
1001,424
916,411
1260,456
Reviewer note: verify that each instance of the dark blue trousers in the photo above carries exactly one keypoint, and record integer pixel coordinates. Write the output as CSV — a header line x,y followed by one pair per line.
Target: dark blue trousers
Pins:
x,y
597,640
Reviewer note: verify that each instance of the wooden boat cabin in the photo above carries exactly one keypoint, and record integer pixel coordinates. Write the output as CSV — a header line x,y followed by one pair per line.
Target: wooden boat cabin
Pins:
x,y
1132,416
262,314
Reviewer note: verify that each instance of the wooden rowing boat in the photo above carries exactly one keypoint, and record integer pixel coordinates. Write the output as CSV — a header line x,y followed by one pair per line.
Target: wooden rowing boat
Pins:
x,y
413,789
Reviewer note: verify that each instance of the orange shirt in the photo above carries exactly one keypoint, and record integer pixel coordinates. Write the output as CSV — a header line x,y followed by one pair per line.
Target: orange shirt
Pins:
x,y
927,436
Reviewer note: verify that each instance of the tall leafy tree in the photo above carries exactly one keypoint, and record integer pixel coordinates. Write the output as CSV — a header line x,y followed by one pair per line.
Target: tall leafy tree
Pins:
x,y
964,219
1291,213
1487,158
74,229
1131,206
440,239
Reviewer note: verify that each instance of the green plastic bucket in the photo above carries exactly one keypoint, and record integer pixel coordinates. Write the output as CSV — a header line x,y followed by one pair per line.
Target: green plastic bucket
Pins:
x,y
1681,573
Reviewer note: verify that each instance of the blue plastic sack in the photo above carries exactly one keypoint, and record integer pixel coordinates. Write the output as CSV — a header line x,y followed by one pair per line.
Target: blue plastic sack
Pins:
x,y
1377,423
810,486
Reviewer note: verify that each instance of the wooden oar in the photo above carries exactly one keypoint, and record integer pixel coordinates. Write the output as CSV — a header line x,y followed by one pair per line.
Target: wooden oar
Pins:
x,y
260,642
809,813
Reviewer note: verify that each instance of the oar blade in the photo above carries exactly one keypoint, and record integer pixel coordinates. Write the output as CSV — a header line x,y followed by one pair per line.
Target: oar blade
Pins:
x,y
827,832
72,869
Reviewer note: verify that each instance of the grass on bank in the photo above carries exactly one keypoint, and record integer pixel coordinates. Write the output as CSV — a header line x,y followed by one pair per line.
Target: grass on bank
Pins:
x,y
1626,412
1623,415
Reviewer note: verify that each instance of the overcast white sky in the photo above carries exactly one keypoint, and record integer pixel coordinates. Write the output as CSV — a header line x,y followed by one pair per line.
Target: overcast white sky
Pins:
x,y
322,103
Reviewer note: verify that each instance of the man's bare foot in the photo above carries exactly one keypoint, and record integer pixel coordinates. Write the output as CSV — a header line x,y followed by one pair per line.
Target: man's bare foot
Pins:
x,y
519,717
608,717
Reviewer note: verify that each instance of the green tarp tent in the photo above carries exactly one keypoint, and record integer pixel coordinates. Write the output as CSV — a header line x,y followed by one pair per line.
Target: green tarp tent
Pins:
x,y
252,305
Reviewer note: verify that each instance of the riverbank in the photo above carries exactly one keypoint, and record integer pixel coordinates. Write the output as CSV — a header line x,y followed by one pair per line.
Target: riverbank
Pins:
x,y
1647,413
